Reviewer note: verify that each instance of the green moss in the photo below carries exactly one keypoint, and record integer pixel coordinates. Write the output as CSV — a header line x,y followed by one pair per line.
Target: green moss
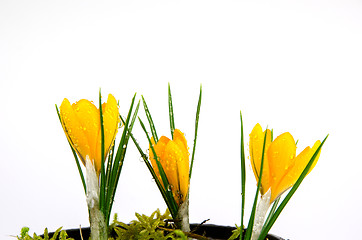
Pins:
x,y
155,227
58,234
145,227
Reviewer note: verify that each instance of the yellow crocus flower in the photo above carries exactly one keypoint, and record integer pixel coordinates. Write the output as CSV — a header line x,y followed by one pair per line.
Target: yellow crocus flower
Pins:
x,y
174,158
281,167
81,124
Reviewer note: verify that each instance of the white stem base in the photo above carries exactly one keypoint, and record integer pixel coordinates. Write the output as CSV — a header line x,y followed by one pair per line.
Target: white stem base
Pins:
x,y
96,218
261,210
183,216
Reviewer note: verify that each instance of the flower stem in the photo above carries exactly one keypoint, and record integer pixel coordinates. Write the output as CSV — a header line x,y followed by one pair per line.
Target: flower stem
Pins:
x,y
96,217
97,224
260,214
183,216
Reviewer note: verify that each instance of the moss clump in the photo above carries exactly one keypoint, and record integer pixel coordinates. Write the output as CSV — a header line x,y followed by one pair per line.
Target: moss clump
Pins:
x,y
58,234
147,227
155,227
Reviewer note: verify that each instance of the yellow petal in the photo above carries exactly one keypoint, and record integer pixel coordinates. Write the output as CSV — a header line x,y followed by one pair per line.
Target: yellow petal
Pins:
x,y
74,130
110,120
314,149
179,136
281,154
176,168
183,163
256,149
296,169
160,150
174,158
88,117
110,123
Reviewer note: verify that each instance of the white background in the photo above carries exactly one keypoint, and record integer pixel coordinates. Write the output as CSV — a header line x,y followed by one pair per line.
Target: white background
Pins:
x,y
292,66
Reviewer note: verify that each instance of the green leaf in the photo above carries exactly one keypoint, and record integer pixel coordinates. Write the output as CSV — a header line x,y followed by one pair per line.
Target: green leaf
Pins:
x,y
196,128
243,177
170,109
118,160
110,165
150,121
274,217
103,190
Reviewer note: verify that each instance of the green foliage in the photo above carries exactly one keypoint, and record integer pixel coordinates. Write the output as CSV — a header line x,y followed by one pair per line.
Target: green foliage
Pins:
x,y
58,234
147,227
167,195
236,233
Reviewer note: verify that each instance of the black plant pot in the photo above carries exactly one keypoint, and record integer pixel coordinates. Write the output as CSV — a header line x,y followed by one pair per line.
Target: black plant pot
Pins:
x,y
213,232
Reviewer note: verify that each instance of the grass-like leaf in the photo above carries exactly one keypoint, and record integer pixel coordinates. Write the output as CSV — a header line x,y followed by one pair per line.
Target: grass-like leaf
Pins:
x,y
243,177
170,109
276,214
103,174
196,128
115,172
150,121
110,164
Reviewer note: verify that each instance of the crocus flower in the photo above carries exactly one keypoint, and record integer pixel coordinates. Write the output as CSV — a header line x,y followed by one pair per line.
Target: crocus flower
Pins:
x,y
81,124
281,167
174,158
